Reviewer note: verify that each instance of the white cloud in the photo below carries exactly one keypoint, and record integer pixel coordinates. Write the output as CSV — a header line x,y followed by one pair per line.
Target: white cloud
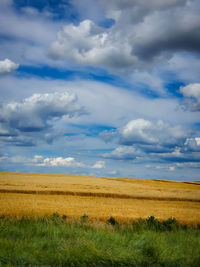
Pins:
x,y
28,24
175,154
39,160
36,112
136,132
185,67
7,66
172,168
18,159
28,33
142,131
143,34
3,158
106,105
35,118
192,144
99,165
59,161
197,139
113,172
123,152
188,164
146,141
148,80
89,44
192,92
165,167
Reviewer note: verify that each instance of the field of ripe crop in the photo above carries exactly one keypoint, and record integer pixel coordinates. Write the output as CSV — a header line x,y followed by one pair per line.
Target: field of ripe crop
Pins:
x,y
98,197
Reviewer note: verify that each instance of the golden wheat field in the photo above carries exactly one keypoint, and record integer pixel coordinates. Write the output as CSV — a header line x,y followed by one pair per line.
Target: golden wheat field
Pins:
x,y
98,197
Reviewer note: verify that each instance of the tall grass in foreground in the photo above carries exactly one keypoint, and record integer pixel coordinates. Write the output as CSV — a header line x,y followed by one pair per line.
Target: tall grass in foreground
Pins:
x,y
56,241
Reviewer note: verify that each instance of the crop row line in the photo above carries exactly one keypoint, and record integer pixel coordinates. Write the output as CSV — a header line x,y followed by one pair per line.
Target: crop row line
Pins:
x,y
97,194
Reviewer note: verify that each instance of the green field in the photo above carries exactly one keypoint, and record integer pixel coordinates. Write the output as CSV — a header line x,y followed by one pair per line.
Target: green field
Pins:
x,y
58,241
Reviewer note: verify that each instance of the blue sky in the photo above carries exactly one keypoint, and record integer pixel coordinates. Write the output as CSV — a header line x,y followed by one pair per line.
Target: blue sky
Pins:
x,y
101,88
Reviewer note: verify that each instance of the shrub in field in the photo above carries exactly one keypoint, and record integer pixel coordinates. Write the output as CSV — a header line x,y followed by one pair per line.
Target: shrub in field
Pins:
x,y
64,217
153,223
55,216
170,224
84,218
167,225
112,221
139,225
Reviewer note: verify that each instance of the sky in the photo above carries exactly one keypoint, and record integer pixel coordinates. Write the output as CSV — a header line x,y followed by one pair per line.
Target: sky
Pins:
x,y
101,88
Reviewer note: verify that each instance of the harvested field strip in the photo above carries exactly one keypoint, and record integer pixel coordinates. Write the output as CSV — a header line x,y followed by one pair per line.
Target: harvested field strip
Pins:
x,y
96,194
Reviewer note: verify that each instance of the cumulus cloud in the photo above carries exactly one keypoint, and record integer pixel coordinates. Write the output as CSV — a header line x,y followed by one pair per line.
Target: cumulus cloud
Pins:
x,y
36,114
176,154
147,141
39,160
180,153
192,144
143,33
137,131
192,94
99,164
123,152
59,161
89,44
142,131
7,66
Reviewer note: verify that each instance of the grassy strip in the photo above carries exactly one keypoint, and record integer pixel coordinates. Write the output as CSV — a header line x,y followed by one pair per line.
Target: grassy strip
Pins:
x,y
56,241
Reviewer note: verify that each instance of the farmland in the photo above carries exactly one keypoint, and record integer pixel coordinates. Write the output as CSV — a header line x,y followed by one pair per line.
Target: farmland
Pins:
x,y
98,197
71,220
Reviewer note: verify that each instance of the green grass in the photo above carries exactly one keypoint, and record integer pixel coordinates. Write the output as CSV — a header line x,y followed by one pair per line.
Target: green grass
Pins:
x,y
55,241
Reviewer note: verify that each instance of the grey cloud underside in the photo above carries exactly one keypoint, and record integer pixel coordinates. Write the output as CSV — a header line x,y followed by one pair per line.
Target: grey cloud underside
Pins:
x,y
143,34
151,4
21,123
188,41
17,140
